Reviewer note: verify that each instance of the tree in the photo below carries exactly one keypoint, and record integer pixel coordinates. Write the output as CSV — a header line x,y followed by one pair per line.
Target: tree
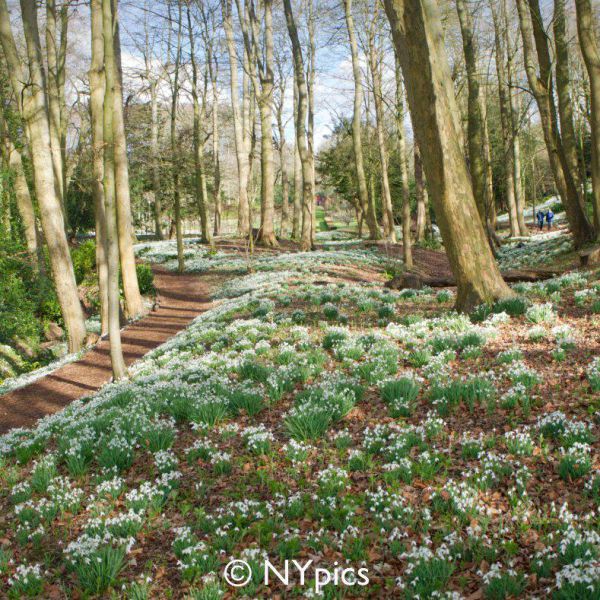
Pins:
x,y
133,299
366,202
375,66
110,186
542,88
261,75
590,48
403,160
241,143
418,38
305,149
199,118
33,105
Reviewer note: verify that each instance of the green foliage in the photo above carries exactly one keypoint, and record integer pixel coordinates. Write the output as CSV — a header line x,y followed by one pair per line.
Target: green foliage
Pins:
x,y
84,260
145,278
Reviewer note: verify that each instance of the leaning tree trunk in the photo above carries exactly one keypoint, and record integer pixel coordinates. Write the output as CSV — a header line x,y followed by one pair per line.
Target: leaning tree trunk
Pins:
x,y
403,160
134,305
418,37
543,90
590,48
110,191
32,104
367,207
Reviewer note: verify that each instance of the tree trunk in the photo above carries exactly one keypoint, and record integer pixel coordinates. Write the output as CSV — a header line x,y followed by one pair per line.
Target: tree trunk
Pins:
x,y
32,104
199,118
367,207
110,192
23,197
297,217
134,305
154,153
565,103
590,48
418,37
54,100
389,230
97,91
542,89
241,147
421,194
303,143
475,123
402,158
213,71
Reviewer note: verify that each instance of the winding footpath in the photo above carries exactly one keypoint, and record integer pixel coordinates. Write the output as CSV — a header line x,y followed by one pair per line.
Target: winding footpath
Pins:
x,y
180,298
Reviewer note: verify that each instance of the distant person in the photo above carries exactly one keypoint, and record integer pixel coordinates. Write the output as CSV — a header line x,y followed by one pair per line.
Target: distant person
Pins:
x,y
540,219
549,218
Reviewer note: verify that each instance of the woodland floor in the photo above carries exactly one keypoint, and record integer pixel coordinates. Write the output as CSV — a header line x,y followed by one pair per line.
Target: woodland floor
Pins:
x,y
180,299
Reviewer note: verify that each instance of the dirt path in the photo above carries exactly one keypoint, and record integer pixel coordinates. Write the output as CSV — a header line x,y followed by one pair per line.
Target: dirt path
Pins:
x,y
180,297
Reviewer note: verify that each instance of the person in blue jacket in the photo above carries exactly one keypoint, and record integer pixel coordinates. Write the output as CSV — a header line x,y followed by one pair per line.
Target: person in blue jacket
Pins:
x,y
540,219
549,218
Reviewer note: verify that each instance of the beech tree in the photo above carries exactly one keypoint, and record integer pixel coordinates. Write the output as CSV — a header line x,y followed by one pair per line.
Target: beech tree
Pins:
x,y
418,38
33,105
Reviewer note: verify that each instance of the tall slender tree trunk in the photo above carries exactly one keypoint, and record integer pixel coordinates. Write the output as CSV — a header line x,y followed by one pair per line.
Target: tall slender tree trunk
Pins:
x,y
564,93
109,188
403,160
25,207
213,72
155,159
386,194
367,206
199,118
134,305
297,217
303,142
97,91
32,104
418,37
241,147
543,90
52,75
505,119
421,194
475,122
590,48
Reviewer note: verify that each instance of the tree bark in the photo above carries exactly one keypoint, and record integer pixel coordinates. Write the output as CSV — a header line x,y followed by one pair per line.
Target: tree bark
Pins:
x,y
303,141
543,91
402,158
368,208
97,91
199,118
418,37
32,104
421,194
110,188
297,216
261,75
134,305
389,230
241,148
590,48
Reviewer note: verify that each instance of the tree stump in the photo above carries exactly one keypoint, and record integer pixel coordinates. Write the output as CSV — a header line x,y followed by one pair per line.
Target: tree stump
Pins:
x,y
590,257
